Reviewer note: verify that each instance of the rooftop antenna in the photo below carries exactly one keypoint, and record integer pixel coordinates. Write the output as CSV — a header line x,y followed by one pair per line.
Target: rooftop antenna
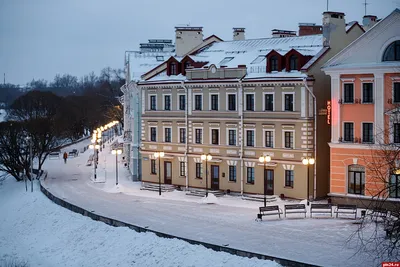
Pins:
x,y
365,7
327,5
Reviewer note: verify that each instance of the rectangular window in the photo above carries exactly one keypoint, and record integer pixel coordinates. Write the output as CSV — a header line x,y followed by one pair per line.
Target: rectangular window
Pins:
x,y
167,102
289,102
348,93
289,139
348,132
232,137
215,136
269,139
232,173
182,168
182,102
396,92
153,102
368,94
396,133
356,180
289,178
250,175
269,102
199,136
231,102
198,102
368,133
167,135
153,134
214,102
153,166
250,137
250,102
198,170
394,186
182,135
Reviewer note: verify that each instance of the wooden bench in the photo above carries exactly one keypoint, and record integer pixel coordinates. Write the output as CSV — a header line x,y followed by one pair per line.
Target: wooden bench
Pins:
x,y
378,212
296,208
54,155
346,209
73,153
269,210
90,160
321,209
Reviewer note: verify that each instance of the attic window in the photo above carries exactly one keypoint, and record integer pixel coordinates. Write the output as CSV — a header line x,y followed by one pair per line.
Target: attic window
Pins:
x,y
293,62
225,60
172,68
392,52
258,60
274,63
160,58
187,65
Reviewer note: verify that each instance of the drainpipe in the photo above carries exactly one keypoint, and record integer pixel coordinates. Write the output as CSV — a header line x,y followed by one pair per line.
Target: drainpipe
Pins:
x,y
315,137
139,137
187,134
241,133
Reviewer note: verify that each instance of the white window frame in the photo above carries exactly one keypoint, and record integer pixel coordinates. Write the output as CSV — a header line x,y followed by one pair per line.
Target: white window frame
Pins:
x,y
152,126
255,138
227,136
393,118
273,137
184,169
362,91
393,82
254,101
163,102
354,91
264,104
283,101
219,135
227,102
209,98
164,127
149,102
178,102
194,135
194,101
362,131
354,131
283,138
179,134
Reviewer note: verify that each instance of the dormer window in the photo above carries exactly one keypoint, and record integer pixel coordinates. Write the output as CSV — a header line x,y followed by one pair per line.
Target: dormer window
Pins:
x,y
273,61
293,62
172,69
187,65
392,52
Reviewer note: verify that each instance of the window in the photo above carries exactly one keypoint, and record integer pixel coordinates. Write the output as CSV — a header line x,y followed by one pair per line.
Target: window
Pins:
x,y
269,102
214,102
250,175
153,166
198,102
182,168
348,93
182,102
182,135
288,102
289,178
250,102
153,134
167,102
392,52
396,92
167,135
258,60
231,102
198,170
356,179
232,137
269,139
232,173
273,61
153,102
159,58
199,136
289,139
293,62
215,136
368,133
173,70
250,137
348,132
225,60
187,65
396,133
394,186
368,94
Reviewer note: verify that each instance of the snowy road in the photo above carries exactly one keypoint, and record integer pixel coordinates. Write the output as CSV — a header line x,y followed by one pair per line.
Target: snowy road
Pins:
x,y
316,241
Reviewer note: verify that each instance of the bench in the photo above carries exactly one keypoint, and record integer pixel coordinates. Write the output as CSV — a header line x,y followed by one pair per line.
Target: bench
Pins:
x,y
54,155
296,208
378,213
90,160
269,210
321,209
73,153
346,209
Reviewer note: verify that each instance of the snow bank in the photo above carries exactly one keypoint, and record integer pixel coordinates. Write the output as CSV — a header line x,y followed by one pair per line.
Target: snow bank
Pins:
x,y
211,199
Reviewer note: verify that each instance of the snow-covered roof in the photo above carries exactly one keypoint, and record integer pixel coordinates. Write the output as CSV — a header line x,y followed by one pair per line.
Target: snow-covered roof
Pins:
x,y
142,62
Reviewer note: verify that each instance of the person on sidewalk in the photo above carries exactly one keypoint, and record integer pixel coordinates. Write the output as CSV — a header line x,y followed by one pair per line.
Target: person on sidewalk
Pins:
x,y
65,157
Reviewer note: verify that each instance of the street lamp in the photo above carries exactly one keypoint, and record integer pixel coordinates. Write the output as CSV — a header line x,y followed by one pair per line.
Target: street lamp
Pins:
x,y
307,162
116,152
206,158
265,159
159,155
95,152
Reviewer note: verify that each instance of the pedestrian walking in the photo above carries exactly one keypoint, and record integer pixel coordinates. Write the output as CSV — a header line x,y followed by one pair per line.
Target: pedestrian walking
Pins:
x,y
65,157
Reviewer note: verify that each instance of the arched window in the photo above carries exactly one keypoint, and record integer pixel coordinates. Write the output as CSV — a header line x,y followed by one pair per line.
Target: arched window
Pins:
x,y
274,63
293,62
172,68
356,179
392,52
187,65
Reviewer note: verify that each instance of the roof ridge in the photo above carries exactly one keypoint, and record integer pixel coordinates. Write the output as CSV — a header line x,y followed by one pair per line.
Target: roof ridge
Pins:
x,y
269,38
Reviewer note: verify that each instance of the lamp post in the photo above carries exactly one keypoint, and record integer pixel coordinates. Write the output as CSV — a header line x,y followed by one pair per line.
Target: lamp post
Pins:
x,y
265,159
207,158
307,162
159,155
116,152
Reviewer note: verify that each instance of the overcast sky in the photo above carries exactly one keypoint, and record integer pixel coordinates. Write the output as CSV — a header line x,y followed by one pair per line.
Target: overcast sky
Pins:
x,y
42,38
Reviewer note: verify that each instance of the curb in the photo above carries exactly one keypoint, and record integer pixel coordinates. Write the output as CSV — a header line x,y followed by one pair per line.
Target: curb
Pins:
x,y
139,229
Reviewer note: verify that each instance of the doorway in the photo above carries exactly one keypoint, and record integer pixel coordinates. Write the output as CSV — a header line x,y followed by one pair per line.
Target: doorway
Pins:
x,y
167,172
215,177
269,178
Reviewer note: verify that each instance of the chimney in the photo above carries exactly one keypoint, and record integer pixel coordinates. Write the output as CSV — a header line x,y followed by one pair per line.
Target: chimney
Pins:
x,y
369,21
238,34
333,27
309,29
187,38
282,33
